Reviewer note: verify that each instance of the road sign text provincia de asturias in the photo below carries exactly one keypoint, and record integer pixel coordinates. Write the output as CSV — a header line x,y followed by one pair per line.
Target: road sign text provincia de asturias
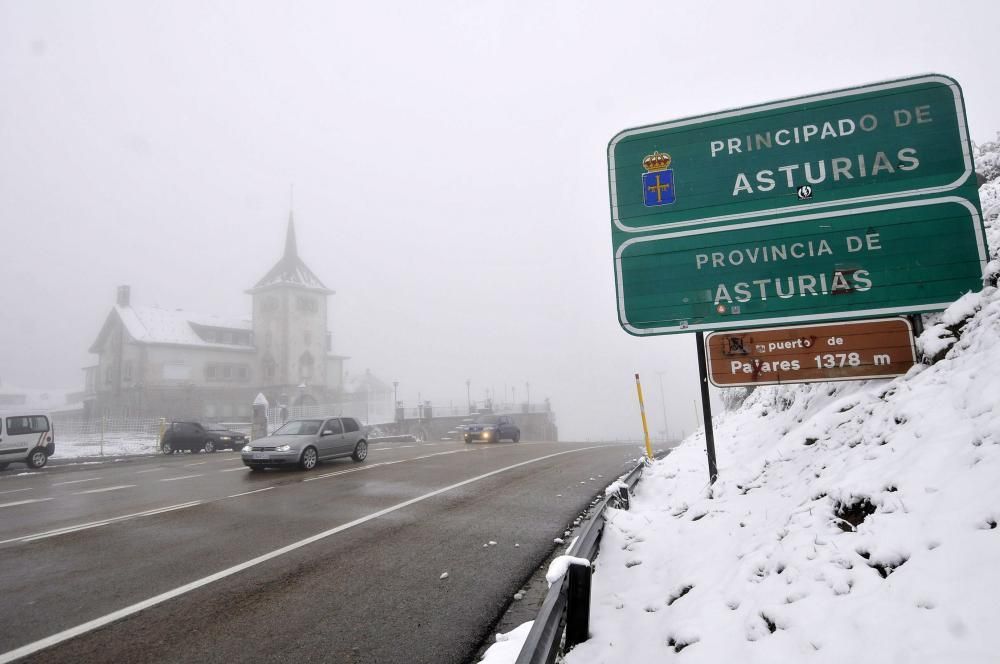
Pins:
x,y
847,204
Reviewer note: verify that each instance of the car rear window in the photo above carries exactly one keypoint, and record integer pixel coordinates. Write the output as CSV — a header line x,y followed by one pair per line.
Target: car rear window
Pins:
x,y
20,425
351,424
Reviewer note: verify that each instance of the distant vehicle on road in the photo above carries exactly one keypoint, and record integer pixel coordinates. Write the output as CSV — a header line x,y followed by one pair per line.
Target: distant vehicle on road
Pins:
x,y
194,437
26,439
307,442
492,429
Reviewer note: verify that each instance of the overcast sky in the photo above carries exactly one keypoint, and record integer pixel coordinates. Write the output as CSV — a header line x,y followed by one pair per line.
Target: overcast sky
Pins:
x,y
448,159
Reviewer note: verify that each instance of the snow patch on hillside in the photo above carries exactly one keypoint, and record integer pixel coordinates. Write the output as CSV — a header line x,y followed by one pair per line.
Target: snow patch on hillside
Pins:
x,y
850,522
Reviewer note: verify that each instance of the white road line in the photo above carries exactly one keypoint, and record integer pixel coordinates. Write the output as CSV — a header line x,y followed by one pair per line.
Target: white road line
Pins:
x,y
15,490
92,479
151,470
232,470
96,623
247,493
24,502
182,477
95,524
107,488
196,463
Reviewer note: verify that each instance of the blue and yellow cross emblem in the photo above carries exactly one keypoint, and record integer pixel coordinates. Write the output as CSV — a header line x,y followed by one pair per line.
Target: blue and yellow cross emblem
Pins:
x,y
658,180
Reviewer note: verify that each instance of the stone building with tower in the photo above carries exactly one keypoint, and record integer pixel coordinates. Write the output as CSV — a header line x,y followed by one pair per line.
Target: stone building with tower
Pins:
x,y
181,365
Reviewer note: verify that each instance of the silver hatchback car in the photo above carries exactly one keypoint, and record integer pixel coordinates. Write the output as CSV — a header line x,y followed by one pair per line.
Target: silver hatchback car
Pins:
x,y
307,442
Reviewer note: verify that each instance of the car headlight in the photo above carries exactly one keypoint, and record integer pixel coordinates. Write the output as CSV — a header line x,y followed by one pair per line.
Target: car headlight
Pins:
x,y
225,438
247,449
282,448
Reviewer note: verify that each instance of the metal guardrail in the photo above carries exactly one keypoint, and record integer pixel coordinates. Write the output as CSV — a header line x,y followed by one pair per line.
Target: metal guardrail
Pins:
x,y
567,602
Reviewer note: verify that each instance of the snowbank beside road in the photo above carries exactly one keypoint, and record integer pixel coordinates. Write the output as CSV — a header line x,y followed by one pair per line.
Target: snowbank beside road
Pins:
x,y
850,522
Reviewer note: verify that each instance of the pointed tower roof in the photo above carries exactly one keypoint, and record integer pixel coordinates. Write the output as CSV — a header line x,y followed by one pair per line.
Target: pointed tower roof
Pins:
x,y
290,270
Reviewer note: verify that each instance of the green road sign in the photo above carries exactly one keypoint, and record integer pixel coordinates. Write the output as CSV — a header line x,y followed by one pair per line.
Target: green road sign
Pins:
x,y
848,204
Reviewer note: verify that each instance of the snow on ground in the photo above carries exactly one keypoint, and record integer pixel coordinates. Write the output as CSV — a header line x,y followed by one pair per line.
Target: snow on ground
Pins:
x,y
851,522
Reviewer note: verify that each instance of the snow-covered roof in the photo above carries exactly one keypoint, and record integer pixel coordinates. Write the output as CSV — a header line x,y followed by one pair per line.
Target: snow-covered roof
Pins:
x,y
290,270
152,325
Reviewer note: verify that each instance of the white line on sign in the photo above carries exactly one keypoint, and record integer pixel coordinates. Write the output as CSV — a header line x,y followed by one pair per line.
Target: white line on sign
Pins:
x,y
92,479
182,477
95,524
96,623
107,488
24,502
247,493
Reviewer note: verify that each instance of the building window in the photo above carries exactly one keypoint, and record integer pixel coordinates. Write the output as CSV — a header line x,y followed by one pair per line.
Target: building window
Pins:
x,y
227,372
210,335
267,339
108,374
306,304
243,373
329,342
269,368
210,372
306,365
127,370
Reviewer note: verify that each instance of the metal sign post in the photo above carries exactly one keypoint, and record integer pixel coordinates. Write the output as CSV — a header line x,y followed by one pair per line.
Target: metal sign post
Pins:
x,y
706,408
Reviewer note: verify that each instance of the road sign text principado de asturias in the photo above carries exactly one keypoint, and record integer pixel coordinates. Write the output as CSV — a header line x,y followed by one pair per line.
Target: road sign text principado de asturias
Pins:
x,y
847,204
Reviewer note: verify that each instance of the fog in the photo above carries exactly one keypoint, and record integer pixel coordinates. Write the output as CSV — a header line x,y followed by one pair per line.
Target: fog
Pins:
x,y
448,162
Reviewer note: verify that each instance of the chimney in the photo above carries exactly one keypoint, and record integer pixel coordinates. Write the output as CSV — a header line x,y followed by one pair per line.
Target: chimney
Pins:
x,y
124,293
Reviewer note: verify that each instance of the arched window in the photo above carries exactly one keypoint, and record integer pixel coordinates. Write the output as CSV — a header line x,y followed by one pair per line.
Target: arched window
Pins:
x,y
306,363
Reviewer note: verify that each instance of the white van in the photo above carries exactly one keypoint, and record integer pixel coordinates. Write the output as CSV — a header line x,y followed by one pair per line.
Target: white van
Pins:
x,y
27,439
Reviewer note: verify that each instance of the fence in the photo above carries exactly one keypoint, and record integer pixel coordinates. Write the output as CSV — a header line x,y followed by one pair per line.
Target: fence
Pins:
x,y
106,436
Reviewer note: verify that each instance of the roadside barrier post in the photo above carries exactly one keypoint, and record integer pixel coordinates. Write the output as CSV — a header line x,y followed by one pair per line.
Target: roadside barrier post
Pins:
x,y
642,411
623,500
102,435
578,605
163,428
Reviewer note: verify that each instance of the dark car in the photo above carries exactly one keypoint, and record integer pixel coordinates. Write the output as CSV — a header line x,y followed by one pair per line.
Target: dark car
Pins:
x,y
492,429
194,437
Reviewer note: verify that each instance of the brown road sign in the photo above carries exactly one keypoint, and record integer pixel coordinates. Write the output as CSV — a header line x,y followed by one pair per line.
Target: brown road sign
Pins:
x,y
811,353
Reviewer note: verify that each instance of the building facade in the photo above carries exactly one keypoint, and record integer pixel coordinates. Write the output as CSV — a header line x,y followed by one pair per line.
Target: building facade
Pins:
x,y
180,365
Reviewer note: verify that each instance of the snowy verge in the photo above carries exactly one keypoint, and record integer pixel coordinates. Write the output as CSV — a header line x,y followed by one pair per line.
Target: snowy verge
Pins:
x,y
851,522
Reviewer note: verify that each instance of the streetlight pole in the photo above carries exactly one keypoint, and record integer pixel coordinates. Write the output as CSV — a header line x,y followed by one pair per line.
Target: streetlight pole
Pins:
x,y
663,405
468,394
527,389
395,401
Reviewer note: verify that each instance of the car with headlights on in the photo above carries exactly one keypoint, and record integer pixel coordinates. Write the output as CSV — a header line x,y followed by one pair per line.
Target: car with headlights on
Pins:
x,y
195,436
492,429
306,442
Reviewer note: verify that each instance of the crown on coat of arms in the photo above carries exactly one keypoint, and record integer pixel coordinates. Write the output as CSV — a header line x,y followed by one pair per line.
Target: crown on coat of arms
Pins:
x,y
658,161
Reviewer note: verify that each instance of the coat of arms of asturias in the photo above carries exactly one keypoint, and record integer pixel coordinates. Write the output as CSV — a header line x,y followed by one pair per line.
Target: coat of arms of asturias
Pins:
x,y
658,180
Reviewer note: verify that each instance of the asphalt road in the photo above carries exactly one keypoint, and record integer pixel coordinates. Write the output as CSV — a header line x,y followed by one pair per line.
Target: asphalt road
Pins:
x,y
193,558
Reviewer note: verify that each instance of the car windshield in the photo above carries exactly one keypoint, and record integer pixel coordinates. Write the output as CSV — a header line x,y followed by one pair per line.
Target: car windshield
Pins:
x,y
213,427
487,419
299,428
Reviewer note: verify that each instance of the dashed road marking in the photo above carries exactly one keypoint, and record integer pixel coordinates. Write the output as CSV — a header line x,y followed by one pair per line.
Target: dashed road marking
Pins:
x,y
107,488
182,477
24,502
15,490
247,493
92,479
94,524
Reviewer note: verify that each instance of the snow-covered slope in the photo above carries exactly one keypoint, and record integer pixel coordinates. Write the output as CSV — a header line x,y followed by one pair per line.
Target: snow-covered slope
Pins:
x,y
851,522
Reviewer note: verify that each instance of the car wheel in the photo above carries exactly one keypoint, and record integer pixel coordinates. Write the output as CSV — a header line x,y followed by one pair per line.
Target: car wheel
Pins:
x,y
209,445
360,451
309,458
166,448
517,437
37,458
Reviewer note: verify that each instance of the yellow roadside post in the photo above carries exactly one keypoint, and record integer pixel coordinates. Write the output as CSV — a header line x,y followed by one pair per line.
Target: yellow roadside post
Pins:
x,y
642,411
